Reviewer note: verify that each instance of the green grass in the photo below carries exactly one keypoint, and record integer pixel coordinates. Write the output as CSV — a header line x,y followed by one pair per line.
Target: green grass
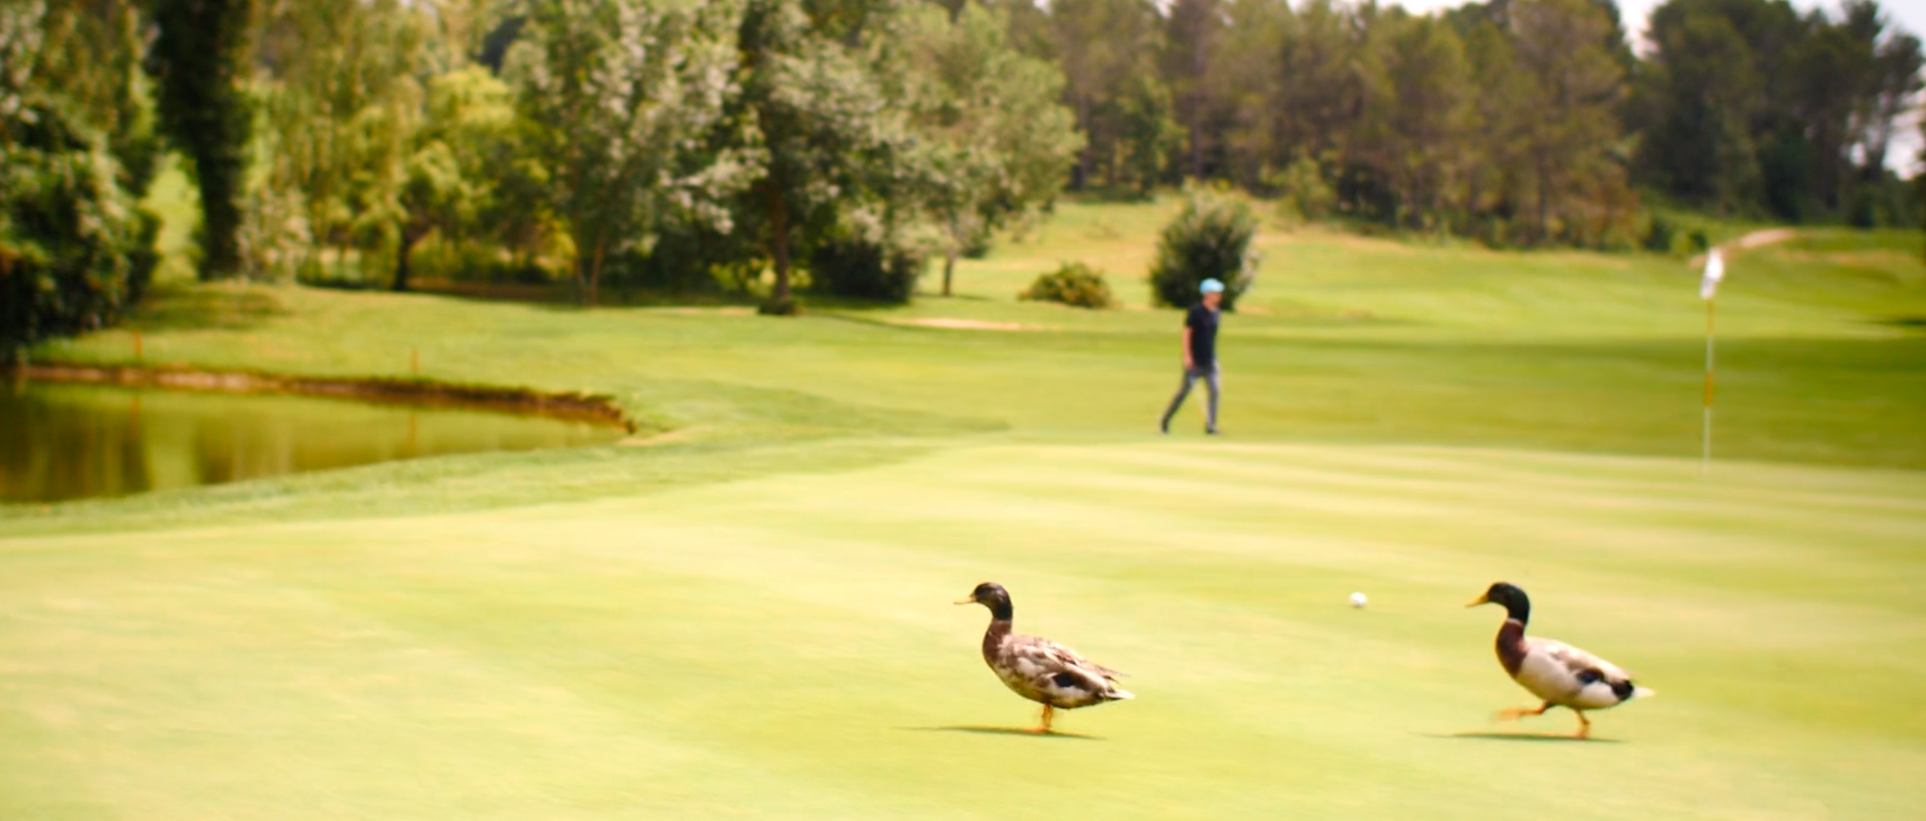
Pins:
x,y
747,616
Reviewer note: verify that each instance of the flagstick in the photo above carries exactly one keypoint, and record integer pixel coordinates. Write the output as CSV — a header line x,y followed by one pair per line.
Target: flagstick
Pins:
x,y
1705,464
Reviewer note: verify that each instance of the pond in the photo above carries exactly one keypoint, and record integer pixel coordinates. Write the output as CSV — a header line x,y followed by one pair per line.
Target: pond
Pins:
x,y
68,441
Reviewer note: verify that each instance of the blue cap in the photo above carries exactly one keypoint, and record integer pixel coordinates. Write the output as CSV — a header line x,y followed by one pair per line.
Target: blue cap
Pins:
x,y
1212,286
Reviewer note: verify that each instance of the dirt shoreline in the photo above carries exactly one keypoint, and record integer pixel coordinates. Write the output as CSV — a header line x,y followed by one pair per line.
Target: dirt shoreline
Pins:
x,y
572,406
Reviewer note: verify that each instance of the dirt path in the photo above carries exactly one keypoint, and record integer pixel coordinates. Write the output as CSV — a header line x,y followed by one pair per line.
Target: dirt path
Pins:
x,y
1756,239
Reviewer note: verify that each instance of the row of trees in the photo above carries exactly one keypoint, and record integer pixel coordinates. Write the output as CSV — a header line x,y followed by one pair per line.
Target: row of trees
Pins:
x,y
1520,121
677,144
839,143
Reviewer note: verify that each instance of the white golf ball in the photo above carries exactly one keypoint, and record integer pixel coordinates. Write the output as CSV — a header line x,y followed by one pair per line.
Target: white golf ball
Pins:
x,y
1358,600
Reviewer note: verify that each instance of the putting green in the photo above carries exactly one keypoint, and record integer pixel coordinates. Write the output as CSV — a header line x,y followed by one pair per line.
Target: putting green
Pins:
x,y
785,647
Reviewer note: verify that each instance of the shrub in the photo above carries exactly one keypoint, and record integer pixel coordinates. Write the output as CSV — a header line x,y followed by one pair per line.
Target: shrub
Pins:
x,y
1700,242
1209,239
72,257
865,269
1074,284
1661,236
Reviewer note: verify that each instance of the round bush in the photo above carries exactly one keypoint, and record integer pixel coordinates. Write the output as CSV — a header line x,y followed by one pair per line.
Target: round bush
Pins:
x,y
1073,284
1209,239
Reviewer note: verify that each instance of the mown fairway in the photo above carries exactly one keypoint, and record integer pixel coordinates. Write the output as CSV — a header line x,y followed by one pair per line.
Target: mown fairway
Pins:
x,y
748,616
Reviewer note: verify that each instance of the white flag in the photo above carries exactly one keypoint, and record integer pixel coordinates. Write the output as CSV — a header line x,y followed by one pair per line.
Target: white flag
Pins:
x,y
1714,271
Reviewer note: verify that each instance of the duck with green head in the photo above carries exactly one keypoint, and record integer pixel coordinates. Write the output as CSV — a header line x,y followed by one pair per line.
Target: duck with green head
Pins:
x,y
1039,669
1558,673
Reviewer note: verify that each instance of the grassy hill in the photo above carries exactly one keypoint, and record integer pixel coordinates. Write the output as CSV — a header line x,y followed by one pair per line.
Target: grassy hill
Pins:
x,y
744,611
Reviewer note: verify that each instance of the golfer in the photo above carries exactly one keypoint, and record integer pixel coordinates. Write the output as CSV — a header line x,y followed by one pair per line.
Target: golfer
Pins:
x,y
1200,354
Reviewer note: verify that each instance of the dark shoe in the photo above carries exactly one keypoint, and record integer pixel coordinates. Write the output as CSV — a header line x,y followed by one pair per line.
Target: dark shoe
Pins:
x,y
1164,427
1210,431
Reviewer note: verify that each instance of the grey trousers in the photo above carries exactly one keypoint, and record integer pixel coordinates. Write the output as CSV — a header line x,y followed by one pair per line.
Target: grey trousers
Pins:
x,y
1191,375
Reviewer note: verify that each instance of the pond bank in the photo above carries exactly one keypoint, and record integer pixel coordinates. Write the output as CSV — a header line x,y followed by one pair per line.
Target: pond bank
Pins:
x,y
571,406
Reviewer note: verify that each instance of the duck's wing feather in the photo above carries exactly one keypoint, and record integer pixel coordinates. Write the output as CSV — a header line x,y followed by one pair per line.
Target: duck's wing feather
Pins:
x,y
1581,666
1042,657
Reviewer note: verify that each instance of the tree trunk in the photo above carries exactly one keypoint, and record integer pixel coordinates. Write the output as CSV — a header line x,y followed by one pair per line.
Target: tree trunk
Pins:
x,y
949,265
595,272
408,240
779,241
1200,72
1081,179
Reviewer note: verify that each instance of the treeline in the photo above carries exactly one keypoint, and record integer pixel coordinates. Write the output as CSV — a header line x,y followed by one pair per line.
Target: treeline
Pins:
x,y
1516,121
839,144
842,145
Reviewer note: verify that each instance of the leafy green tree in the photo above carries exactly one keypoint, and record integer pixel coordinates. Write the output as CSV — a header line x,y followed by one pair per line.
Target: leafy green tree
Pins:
x,y
1414,129
74,250
615,94
815,111
1195,31
200,61
1575,185
1704,77
345,103
999,143
1747,105
1108,50
452,170
90,58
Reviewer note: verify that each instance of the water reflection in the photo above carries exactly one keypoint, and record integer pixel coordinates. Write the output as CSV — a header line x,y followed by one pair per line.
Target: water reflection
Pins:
x,y
60,441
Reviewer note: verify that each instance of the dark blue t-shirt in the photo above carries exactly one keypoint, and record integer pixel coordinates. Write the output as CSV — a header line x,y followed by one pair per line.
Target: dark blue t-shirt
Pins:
x,y
1202,323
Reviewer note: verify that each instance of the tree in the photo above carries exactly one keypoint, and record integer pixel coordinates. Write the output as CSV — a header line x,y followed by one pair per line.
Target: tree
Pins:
x,y
345,104
1107,49
816,113
1417,114
1570,145
454,161
74,250
200,62
1704,79
1194,31
615,93
1746,105
998,141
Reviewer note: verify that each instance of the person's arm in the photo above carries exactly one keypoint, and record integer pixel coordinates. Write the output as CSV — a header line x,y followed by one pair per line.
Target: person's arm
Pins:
x,y
1189,364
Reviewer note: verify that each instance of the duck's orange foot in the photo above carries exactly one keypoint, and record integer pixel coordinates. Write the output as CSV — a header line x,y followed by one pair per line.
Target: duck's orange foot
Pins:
x,y
1043,728
1515,713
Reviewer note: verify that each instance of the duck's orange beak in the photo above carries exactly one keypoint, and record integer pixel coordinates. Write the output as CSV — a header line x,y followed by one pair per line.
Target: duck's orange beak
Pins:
x,y
967,601
1482,599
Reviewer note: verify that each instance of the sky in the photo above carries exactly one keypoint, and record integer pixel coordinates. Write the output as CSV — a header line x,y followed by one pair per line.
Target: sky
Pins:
x,y
1907,14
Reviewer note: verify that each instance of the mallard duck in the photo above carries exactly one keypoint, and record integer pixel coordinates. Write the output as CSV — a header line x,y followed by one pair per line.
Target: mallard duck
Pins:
x,y
1039,669
1562,675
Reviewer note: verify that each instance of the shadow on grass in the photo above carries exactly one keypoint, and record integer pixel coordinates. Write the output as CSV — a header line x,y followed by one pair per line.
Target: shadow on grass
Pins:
x,y
1010,731
188,307
1914,323
1539,737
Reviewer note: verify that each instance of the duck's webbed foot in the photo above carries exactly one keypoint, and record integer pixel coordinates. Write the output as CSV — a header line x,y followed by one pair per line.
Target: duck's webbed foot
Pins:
x,y
1043,725
1515,713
